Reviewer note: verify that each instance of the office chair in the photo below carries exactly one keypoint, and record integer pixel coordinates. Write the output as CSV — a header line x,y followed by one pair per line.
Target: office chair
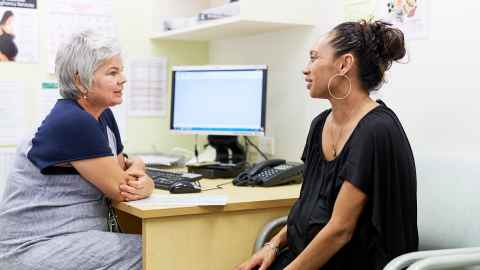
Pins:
x,y
448,207
268,231
420,260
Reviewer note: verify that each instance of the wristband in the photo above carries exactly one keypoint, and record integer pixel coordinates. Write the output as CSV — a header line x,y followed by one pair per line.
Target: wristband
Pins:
x,y
272,246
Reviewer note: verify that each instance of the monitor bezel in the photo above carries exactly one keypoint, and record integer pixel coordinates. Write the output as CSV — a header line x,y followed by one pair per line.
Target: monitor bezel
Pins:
x,y
261,132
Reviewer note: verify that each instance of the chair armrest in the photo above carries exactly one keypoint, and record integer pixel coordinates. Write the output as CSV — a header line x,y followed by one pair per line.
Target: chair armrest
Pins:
x,y
407,259
447,262
267,230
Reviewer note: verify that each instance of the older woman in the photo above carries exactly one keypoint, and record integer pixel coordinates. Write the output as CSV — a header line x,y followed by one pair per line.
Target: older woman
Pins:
x,y
54,211
357,206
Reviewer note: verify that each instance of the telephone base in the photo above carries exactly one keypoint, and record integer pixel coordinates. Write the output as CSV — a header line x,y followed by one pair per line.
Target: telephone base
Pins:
x,y
219,170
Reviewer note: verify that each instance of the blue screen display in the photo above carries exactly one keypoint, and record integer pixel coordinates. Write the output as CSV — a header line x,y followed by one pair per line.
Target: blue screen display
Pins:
x,y
219,101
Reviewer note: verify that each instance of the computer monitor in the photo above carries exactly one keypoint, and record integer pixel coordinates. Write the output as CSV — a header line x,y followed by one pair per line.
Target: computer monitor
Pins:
x,y
219,100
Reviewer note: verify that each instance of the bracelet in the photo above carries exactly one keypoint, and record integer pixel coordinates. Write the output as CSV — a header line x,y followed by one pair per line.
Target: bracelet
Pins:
x,y
276,250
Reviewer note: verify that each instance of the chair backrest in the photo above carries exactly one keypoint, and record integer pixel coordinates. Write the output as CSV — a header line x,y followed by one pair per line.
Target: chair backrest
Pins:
x,y
448,202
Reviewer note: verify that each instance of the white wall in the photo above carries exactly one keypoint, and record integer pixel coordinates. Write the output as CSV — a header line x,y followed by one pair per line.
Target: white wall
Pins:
x,y
285,53
435,96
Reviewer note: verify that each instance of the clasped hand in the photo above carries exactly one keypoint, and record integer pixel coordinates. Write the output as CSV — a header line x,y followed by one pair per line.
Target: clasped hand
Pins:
x,y
139,185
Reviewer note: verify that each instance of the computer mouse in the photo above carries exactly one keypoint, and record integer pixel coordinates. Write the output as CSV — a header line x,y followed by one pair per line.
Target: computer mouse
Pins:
x,y
185,187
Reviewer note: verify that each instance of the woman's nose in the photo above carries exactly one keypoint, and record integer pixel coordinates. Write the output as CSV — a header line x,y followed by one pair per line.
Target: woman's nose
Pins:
x,y
306,71
123,80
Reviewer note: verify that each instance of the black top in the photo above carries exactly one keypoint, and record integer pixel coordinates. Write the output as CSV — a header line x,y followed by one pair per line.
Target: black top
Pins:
x,y
69,133
377,159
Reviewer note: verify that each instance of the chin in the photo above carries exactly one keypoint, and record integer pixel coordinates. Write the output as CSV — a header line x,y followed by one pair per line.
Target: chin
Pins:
x,y
116,102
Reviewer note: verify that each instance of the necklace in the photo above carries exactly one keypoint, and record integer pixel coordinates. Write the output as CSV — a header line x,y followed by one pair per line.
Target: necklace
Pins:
x,y
334,144
340,132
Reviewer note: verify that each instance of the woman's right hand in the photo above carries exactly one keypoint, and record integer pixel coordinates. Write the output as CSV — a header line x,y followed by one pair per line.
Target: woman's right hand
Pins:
x,y
262,259
140,187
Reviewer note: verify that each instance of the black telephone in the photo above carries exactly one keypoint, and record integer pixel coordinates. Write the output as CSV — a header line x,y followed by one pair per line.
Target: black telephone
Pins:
x,y
271,172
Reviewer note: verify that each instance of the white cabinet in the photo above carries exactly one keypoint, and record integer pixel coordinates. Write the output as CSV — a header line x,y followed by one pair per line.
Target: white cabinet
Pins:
x,y
255,16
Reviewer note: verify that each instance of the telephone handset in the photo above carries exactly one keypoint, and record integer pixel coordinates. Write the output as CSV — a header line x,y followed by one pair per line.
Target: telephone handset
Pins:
x,y
271,172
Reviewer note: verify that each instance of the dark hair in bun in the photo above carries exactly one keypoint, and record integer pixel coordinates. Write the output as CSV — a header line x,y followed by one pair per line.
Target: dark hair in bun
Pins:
x,y
375,44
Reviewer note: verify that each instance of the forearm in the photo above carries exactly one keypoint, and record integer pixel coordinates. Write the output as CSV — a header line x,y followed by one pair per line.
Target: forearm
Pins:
x,y
135,163
280,239
323,246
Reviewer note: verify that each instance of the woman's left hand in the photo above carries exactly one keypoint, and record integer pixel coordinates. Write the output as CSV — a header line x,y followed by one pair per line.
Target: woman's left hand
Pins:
x,y
134,163
137,189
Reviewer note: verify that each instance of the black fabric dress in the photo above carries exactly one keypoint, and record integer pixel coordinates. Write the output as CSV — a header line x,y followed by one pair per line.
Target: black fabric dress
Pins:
x,y
377,159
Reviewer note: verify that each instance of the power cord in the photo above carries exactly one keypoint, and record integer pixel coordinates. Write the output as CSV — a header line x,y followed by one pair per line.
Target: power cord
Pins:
x,y
196,148
256,148
219,186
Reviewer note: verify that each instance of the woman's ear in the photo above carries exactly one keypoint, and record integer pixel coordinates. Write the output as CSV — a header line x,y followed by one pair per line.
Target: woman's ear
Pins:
x,y
346,63
79,84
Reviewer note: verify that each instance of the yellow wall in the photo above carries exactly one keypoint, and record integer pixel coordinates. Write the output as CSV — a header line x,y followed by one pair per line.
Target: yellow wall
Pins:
x,y
134,20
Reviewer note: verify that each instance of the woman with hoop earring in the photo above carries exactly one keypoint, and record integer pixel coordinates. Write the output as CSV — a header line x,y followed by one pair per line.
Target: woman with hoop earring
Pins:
x,y
357,206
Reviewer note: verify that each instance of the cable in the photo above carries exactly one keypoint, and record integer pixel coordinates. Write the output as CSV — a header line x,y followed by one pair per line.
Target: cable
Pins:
x,y
219,186
256,148
196,149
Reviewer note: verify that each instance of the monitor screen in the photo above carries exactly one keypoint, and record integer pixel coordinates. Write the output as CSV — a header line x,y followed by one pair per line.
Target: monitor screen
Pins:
x,y
219,100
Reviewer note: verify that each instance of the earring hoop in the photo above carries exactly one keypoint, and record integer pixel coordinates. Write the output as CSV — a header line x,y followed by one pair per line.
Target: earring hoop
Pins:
x,y
349,88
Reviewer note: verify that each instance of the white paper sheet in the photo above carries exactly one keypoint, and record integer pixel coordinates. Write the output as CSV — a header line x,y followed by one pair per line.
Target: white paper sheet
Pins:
x,y
181,200
147,84
70,16
49,95
6,163
12,111
24,28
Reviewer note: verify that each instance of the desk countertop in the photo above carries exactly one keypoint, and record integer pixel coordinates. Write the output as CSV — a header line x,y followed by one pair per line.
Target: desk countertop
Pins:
x,y
238,198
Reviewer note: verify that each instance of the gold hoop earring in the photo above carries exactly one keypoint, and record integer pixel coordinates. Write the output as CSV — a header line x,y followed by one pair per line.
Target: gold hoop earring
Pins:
x,y
349,88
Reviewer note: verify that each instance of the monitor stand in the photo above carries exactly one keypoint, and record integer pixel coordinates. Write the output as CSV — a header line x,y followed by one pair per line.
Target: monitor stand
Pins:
x,y
223,143
227,166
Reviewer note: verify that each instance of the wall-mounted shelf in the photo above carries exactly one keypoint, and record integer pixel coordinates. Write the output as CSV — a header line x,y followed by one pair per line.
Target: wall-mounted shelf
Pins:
x,y
255,17
224,28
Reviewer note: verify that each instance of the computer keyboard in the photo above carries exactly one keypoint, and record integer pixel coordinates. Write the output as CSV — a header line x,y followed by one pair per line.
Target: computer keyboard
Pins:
x,y
164,179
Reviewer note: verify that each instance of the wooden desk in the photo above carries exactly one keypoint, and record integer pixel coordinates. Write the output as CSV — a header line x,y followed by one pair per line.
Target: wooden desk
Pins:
x,y
206,237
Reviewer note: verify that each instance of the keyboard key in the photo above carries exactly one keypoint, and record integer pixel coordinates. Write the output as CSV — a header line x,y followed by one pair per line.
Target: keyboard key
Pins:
x,y
164,179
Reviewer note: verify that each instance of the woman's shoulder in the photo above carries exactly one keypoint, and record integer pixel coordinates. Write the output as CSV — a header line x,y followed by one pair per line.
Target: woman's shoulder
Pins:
x,y
68,117
380,121
320,118
66,110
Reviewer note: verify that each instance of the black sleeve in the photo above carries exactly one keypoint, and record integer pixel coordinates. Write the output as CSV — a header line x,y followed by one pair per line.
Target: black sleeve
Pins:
x,y
381,165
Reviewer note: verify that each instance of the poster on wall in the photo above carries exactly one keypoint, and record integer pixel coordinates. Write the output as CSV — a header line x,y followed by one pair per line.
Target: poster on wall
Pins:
x,y
19,31
410,16
147,84
355,10
66,17
12,110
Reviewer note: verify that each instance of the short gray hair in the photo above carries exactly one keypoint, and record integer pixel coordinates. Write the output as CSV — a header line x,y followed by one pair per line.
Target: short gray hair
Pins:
x,y
82,54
